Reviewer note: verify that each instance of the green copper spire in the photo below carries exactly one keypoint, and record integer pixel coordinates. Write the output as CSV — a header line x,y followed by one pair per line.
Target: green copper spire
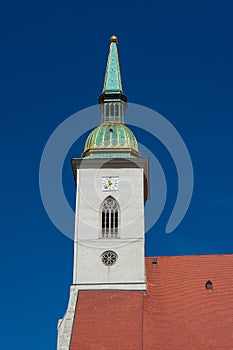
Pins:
x,y
112,81
112,139
112,89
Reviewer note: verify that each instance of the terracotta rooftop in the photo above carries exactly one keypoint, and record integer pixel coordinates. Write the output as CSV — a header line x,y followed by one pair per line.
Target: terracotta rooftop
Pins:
x,y
176,312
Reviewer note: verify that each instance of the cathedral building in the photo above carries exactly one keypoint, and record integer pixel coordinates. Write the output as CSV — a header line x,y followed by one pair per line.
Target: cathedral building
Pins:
x,y
120,299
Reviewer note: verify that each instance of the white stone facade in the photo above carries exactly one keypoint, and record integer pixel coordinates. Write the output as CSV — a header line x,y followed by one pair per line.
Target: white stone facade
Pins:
x,y
129,271
90,273
65,325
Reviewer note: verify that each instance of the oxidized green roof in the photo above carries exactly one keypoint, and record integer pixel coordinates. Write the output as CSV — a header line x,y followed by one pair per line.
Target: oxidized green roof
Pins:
x,y
112,139
112,80
111,136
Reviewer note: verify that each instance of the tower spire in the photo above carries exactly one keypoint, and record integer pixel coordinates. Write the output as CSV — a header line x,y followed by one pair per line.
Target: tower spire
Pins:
x,y
112,89
112,139
112,81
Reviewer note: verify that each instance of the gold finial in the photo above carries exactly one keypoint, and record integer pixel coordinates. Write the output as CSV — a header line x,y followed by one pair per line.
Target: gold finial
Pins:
x,y
113,39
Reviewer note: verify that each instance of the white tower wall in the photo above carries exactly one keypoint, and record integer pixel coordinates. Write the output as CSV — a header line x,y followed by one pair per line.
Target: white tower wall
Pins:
x,y
89,271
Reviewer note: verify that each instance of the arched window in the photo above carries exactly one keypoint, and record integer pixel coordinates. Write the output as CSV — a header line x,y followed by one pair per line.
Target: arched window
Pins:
x,y
209,285
110,218
112,106
107,109
117,112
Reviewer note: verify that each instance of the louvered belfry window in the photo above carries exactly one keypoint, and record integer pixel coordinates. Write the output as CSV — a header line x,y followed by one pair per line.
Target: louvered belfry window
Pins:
x,y
110,218
113,112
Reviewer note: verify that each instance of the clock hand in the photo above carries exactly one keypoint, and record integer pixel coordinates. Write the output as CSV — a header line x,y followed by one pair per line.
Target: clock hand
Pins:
x,y
108,184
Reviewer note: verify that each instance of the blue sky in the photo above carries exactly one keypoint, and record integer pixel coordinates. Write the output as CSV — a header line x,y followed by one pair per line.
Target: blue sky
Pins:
x,y
176,58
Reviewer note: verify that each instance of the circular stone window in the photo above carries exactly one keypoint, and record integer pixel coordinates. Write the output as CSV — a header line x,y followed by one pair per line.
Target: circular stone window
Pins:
x,y
109,258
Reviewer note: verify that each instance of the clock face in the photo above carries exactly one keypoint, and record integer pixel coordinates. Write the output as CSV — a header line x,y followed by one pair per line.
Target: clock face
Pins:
x,y
109,183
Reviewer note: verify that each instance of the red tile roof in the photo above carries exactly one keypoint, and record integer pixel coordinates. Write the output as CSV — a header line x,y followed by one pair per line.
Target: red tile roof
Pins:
x,y
176,312
104,318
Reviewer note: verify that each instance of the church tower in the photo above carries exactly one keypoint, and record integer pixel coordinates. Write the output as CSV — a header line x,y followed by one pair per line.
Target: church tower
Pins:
x,y
112,185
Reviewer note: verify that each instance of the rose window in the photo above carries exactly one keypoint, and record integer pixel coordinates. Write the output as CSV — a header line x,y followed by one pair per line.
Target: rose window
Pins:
x,y
109,258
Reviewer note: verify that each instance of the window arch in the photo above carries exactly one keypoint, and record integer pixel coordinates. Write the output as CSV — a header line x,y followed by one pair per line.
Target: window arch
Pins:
x,y
209,285
107,110
112,110
110,218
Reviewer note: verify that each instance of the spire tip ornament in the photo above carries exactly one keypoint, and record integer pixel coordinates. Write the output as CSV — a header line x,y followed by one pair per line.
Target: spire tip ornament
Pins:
x,y
113,39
